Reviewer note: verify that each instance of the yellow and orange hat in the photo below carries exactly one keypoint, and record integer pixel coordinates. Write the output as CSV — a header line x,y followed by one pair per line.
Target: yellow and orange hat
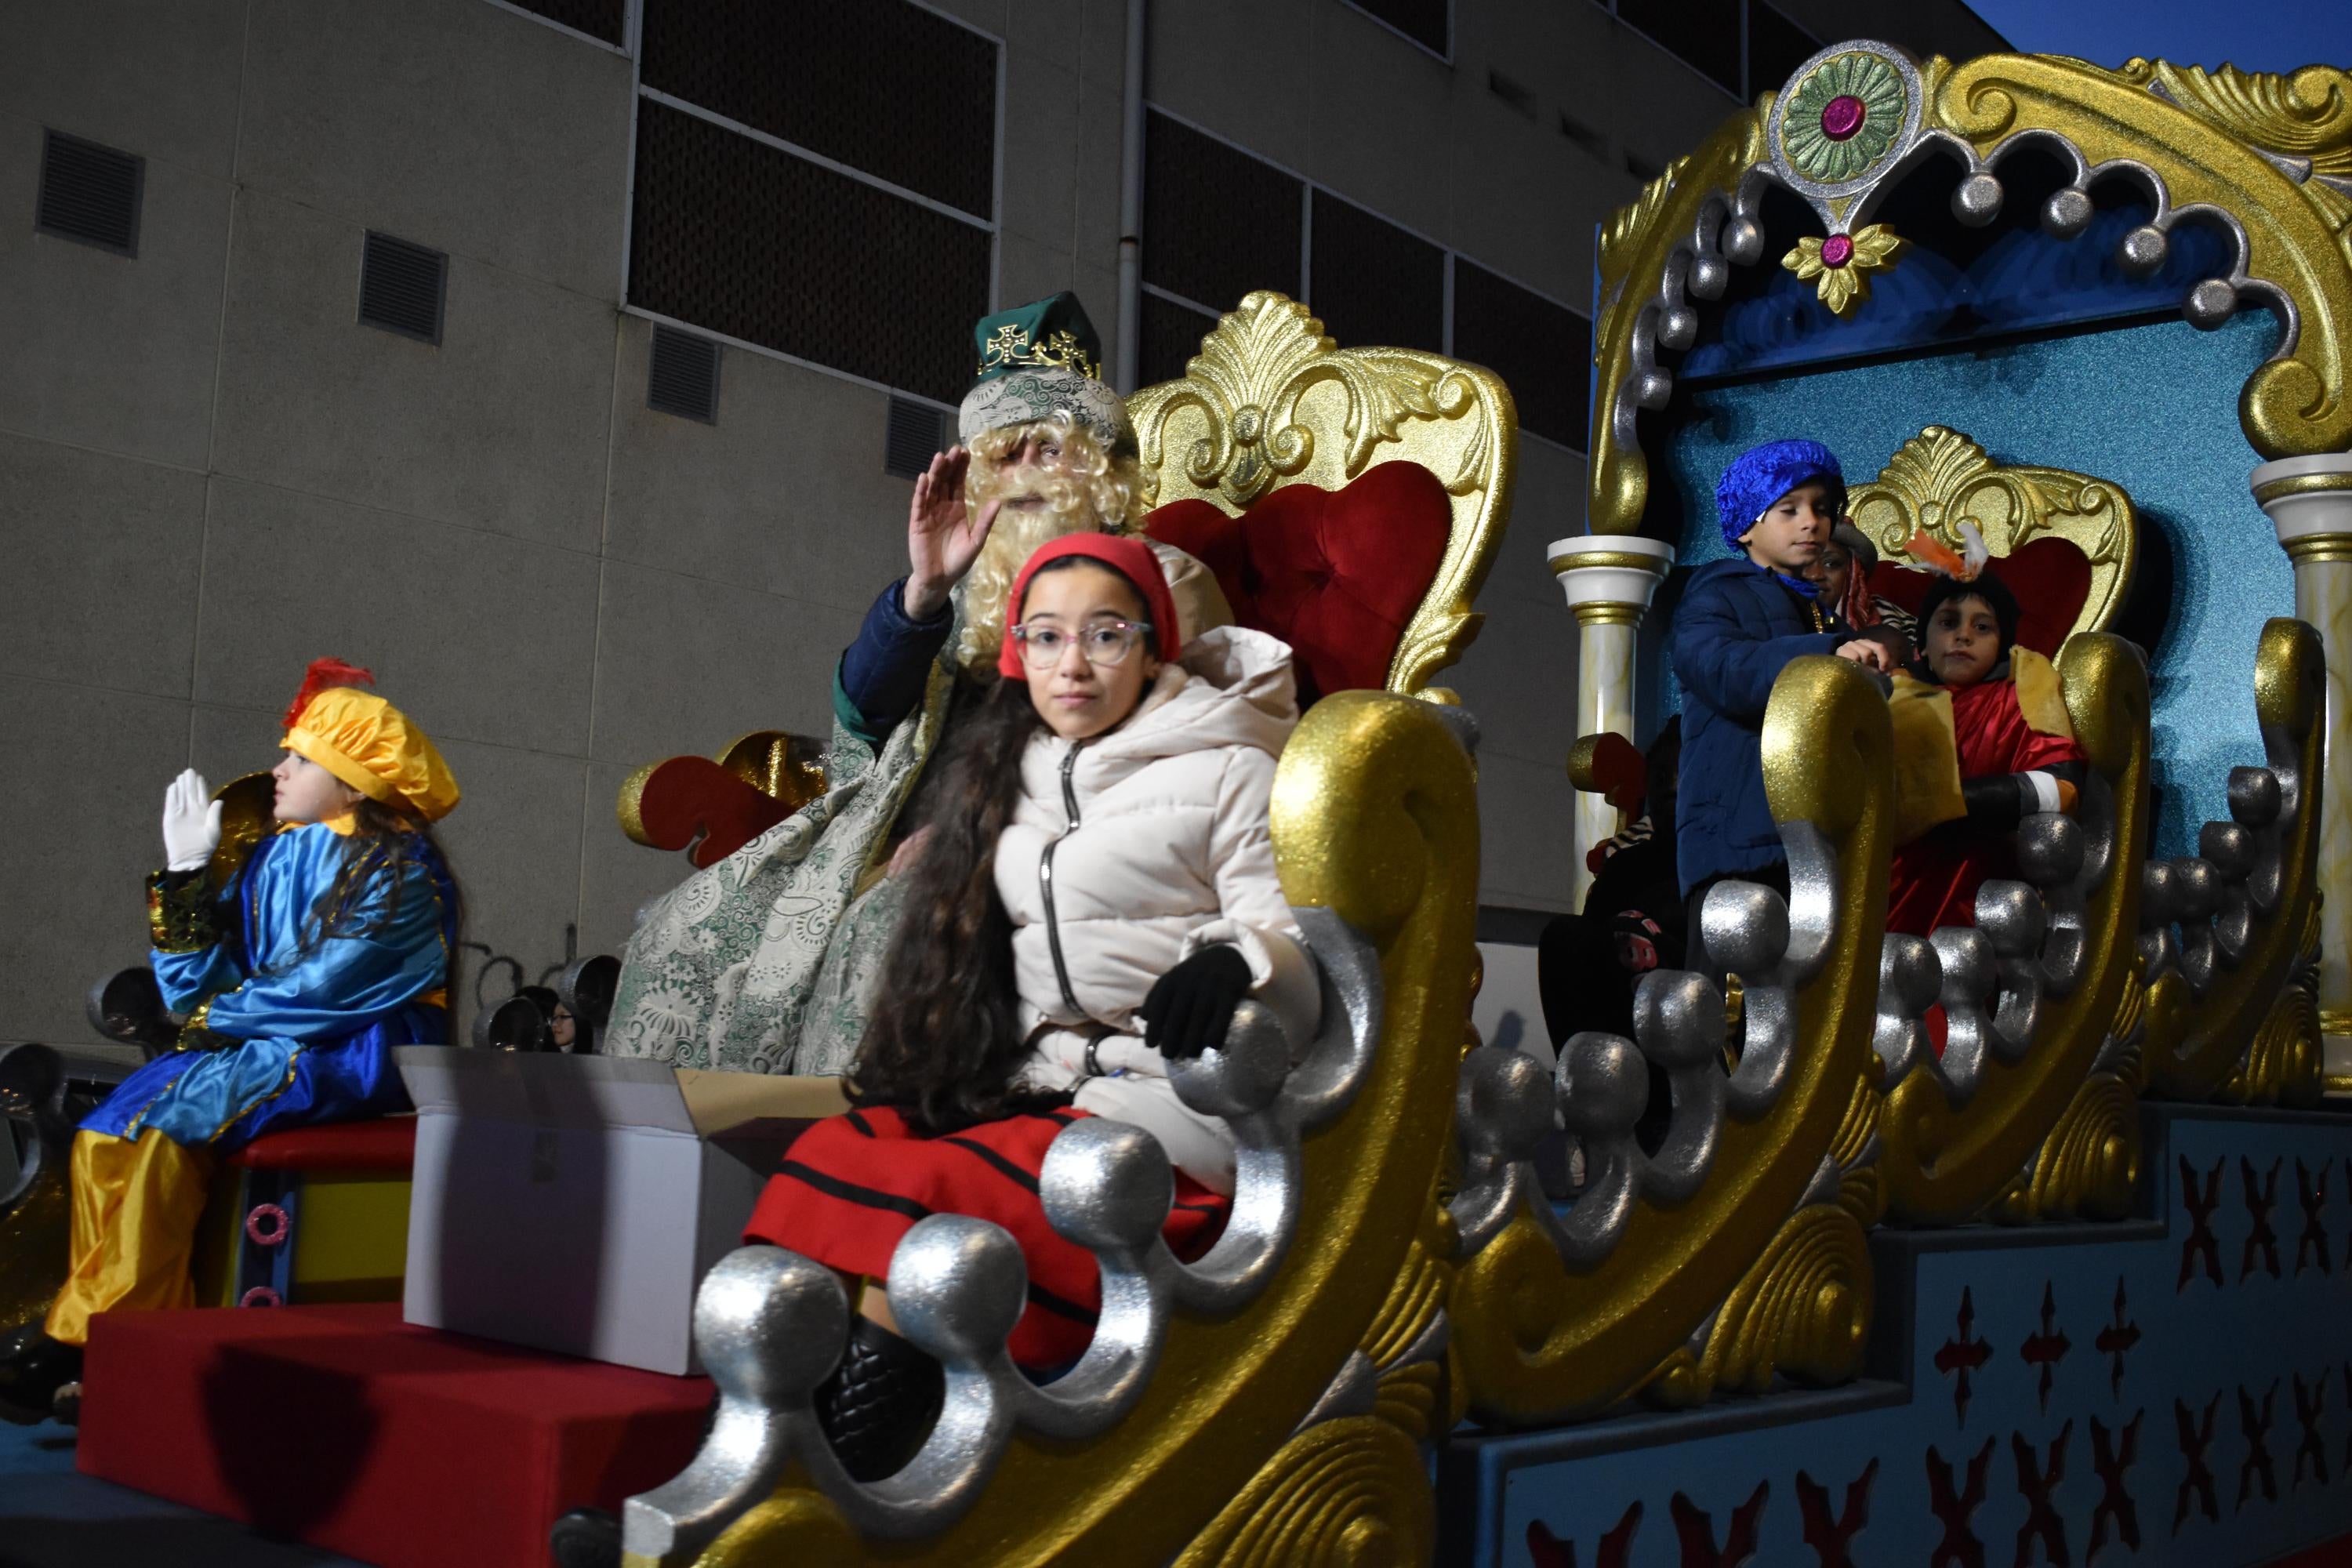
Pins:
x,y
367,742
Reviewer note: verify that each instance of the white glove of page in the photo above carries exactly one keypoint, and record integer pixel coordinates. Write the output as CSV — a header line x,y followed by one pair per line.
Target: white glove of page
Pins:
x,y
191,823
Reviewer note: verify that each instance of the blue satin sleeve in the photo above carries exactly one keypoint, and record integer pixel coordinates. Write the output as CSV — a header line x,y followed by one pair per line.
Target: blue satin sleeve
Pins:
x,y
347,982
187,978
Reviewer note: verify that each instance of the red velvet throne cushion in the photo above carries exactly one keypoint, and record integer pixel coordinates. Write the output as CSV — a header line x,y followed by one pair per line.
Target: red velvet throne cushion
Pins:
x,y
1336,574
2050,577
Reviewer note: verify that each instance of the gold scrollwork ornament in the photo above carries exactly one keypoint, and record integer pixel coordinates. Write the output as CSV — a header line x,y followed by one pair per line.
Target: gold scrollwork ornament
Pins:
x,y
1270,400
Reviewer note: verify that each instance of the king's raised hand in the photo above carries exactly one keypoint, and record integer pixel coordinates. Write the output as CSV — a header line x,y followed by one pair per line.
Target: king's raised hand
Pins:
x,y
944,534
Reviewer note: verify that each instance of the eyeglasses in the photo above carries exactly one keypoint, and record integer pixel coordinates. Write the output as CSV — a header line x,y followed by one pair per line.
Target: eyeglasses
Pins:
x,y
1101,643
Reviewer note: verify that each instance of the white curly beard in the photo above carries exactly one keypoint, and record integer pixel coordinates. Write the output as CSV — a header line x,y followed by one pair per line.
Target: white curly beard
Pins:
x,y
1069,508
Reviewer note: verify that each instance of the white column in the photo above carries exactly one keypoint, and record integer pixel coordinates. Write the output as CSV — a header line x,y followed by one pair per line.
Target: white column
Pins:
x,y
1609,579
2310,502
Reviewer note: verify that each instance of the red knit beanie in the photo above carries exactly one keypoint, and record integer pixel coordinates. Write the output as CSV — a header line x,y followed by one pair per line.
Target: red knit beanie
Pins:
x,y
1130,558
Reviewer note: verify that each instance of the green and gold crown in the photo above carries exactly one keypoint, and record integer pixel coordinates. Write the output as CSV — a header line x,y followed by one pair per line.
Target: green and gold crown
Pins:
x,y
1039,360
1052,334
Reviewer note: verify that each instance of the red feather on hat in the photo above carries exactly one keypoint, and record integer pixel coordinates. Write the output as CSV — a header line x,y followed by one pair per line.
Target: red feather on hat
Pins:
x,y
322,673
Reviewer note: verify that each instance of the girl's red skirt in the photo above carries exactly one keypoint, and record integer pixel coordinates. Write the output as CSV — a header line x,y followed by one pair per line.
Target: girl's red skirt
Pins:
x,y
853,1185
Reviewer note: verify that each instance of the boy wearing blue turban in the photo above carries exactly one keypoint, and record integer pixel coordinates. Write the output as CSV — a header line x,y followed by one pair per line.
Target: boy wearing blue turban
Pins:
x,y
1741,622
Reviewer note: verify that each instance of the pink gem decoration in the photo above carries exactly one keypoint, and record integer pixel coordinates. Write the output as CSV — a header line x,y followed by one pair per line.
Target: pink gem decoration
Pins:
x,y
269,1224
261,1296
1836,251
1842,116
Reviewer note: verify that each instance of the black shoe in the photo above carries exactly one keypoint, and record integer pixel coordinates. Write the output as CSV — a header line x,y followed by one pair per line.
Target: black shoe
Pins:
x,y
880,1403
587,1538
33,1367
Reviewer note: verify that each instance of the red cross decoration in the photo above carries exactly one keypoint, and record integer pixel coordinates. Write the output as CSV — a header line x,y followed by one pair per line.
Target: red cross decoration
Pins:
x,y
2115,1340
2259,1199
1963,1353
1548,1550
2254,1423
1696,1529
2113,1460
2035,1483
2308,1408
2201,1245
1829,1538
2048,1348
1959,1546
2197,1479
2312,1196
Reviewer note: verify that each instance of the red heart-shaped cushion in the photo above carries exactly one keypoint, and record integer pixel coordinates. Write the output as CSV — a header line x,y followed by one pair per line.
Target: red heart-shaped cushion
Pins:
x,y
1336,574
2050,577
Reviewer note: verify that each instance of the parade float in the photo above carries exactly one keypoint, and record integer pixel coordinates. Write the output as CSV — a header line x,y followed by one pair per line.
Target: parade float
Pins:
x,y
2069,1284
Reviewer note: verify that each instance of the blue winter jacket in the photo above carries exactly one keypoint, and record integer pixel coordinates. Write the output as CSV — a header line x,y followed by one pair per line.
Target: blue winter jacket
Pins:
x,y
1738,625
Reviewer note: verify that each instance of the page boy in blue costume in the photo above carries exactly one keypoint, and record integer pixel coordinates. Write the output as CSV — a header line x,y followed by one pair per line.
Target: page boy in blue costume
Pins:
x,y
332,946
1739,624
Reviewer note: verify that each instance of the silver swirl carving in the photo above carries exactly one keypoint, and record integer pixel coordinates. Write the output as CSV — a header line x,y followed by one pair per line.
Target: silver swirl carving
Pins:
x,y
1603,1083
2209,901
771,1324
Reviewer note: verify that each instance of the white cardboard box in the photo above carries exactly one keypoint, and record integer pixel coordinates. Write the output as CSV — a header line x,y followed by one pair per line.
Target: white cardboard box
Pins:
x,y
575,1203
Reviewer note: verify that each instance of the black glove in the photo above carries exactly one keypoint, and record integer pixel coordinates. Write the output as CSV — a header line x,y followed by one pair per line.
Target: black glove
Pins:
x,y
1996,800
1191,1006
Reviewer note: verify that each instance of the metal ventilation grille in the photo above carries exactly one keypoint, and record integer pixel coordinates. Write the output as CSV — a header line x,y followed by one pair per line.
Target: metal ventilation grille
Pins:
x,y
1221,222
1172,336
1540,349
1374,283
90,193
684,379
402,286
741,239
927,122
1429,23
915,433
597,18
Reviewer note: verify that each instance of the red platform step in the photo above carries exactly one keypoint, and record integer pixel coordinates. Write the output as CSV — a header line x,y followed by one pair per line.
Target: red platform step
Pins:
x,y
345,1428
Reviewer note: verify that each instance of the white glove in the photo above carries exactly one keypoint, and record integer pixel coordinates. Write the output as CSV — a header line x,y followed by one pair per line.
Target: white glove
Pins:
x,y
192,830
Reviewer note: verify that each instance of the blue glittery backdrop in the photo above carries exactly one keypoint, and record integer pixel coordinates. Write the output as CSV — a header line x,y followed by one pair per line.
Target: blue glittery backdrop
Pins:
x,y
2153,408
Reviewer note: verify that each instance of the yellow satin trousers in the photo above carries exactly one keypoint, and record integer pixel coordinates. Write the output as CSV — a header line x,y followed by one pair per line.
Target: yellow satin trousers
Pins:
x,y
135,1206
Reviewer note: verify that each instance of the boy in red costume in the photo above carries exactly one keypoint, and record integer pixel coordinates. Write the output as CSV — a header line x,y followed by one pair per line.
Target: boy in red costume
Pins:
x,y
1981,741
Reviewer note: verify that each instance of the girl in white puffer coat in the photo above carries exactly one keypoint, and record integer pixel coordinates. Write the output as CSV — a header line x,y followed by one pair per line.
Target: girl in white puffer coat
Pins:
x,y
1094,893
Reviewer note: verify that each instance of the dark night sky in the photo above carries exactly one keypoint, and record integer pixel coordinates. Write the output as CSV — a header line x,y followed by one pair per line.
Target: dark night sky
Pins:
x,y
2255,35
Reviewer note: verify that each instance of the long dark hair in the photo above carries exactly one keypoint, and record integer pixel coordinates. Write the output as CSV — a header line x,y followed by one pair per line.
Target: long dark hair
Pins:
x,y
944,1043
388,844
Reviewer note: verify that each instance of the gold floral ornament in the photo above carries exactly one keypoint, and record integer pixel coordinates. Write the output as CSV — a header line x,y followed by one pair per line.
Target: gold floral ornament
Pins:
x,y
1839,266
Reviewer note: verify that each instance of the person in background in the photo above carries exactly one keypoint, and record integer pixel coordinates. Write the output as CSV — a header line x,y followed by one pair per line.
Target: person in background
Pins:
x,y
1843,572
331,946
1740,623
1982,740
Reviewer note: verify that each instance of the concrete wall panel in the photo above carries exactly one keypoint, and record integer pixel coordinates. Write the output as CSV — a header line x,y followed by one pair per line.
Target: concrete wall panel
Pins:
x,y
90,766
103,557
119,353
503,425
481,637
1527,832
157,79
785,494
514,844
617,876
449,123
1041,147
686,666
